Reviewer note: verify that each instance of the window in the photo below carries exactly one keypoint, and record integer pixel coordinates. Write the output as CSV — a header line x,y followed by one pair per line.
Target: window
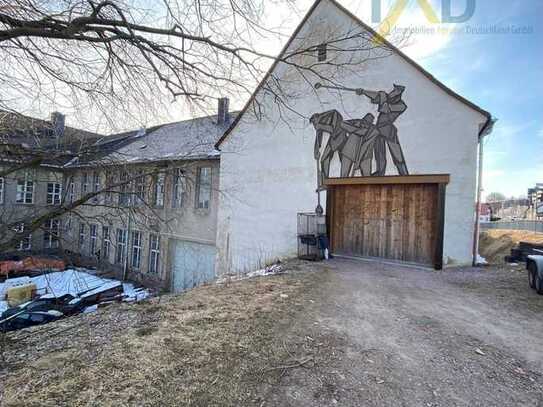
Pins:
x,y
25,190
140,188
204,187
321,53
177,188
93,229
81,241
109,181
124,195
1,190
158,195
154,253
54,192
95,185
26,241
106,243
120,250
71,191
51,234
136,249
84,184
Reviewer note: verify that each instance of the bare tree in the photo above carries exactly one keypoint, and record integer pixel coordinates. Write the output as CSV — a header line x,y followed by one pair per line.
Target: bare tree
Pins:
x,y
117,59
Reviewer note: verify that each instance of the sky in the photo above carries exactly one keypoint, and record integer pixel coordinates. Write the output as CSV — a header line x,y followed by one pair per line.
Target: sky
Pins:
x,y
500,72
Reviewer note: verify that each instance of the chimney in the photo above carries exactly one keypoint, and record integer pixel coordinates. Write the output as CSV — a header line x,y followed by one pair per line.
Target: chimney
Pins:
x,y
222,112
57,124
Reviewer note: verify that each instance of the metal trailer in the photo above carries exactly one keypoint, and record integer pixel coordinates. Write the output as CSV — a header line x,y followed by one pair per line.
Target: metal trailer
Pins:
x,y
534,265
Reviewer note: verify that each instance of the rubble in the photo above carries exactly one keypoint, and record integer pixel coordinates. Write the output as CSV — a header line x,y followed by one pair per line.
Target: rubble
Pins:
x,y
60,294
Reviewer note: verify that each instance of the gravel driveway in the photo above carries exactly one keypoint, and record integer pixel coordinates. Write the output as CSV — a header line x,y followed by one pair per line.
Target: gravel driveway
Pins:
x,y
388,335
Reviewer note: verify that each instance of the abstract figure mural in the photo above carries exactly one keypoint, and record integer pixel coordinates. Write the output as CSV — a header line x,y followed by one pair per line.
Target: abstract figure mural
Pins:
x,y
359,141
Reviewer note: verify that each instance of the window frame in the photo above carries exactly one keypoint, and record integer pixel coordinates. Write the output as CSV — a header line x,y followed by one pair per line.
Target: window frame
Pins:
x,y
136,249
120,254
139,188
154,254
27,188
93,238
106,242
51,235
178,189
95,185
54,196
25,238
322,52
199,202
2,188
81,238
84,184
124,189
159,183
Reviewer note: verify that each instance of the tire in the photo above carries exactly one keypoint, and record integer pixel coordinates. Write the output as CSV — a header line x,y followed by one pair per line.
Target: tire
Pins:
x,y
532,272
539,285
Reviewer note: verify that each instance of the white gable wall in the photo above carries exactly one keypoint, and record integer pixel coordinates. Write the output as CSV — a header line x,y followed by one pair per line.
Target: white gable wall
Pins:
x,y
268,172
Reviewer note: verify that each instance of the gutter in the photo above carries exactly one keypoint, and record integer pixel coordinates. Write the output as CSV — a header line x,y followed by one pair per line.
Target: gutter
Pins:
x,y
485,131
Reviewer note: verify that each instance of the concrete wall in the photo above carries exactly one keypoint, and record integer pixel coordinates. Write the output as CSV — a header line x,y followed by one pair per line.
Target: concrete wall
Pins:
x,y
187,223
268,172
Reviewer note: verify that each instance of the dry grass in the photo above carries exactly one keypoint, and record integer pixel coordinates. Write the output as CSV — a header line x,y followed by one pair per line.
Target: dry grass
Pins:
x,y
207,347
495,244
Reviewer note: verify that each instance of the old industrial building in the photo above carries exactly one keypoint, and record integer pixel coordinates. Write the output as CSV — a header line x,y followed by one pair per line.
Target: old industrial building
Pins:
x,y
388,152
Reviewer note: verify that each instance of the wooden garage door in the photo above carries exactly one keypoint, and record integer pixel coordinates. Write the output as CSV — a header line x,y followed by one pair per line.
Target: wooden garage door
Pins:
x,y
395,221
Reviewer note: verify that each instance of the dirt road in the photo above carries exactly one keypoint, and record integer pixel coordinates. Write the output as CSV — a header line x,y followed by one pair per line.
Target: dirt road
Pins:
x,y
386,335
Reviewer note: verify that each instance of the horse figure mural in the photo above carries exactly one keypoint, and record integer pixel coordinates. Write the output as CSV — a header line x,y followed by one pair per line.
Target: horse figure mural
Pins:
x,y
359,141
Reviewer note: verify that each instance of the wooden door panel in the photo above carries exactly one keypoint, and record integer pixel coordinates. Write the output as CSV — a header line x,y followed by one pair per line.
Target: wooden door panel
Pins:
x,y
394,221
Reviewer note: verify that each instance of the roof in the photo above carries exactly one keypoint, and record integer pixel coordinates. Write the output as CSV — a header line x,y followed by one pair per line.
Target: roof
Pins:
x,y
380,38
185,140
29,132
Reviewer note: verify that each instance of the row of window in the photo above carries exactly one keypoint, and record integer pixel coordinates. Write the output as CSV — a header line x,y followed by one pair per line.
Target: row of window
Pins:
x,y
125,250
130,192
25,191
51,236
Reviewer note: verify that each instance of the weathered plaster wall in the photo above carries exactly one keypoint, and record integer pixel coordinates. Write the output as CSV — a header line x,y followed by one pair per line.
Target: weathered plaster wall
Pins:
x,y
187,223
268,172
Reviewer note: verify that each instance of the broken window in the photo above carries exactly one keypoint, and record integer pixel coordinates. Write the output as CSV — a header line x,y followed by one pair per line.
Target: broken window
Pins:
x,y
203,187
154,253
120,248
51,234
54,192
106,243
93,236
25,190
178,189
322,53
136,249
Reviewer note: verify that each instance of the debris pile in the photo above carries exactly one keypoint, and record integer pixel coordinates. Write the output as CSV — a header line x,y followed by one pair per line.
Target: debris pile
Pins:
x,y
27,301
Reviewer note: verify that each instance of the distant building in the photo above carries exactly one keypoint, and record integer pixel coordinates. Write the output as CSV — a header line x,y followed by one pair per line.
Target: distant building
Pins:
x,y
535,196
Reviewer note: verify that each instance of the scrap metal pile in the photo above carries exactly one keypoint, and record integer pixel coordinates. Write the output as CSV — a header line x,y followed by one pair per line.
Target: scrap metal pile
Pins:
x,y
27,301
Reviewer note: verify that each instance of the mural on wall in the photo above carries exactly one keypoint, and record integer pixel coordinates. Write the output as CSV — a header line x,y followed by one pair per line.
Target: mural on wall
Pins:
x,y
359,141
